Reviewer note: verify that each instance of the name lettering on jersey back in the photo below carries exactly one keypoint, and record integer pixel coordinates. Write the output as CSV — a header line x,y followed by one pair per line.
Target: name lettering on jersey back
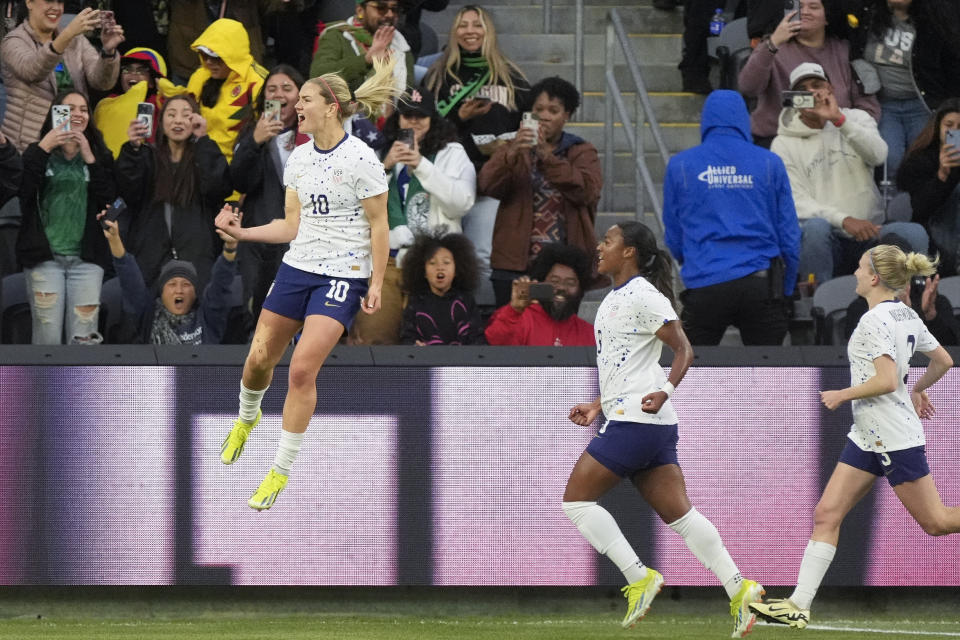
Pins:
x,y
902,314
725,177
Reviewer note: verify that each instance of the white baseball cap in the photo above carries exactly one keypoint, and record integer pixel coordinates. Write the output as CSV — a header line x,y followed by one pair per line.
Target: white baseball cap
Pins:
x,y
207,51
806,70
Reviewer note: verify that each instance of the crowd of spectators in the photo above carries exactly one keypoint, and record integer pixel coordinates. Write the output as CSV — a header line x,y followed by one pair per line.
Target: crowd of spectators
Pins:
x,y
173,110
173,115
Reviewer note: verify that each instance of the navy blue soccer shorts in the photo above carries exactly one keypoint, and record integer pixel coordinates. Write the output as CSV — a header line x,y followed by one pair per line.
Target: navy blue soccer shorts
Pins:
x,y
628,447
297,294
900,466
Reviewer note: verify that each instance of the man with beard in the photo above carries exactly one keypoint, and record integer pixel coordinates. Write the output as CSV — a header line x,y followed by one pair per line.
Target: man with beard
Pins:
x,y
548,322
348,48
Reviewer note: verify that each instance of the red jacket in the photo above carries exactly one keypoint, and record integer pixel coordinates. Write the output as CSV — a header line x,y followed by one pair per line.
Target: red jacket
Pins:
x,y
535,328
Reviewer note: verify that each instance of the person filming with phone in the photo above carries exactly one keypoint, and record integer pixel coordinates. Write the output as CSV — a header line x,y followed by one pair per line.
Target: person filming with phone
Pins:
x,y
930,173
830,154
548,182
543,306
803,35
432,186
920,294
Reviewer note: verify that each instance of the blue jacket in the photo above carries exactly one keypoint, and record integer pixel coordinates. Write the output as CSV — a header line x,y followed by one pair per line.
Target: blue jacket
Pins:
x,y
728,209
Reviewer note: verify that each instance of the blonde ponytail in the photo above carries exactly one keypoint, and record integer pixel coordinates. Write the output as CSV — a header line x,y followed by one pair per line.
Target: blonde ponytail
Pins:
x,y
369,98
895,267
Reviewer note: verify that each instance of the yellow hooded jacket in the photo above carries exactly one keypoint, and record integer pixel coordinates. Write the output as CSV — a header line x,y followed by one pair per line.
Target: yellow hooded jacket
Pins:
x,y
234,109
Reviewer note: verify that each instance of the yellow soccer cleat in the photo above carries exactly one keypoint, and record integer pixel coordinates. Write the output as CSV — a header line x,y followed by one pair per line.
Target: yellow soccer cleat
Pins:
x,y
743,618
640,596
232,447
782,611
266,494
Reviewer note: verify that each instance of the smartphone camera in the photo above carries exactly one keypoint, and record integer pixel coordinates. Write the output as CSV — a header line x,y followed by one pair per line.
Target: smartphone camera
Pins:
x,y
406,137
953,138
789,6
541,291
115,210
271,109
60,113
145,116
917,285
797,99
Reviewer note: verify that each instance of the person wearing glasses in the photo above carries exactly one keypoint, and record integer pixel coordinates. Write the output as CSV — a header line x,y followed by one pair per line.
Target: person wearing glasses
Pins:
x,y
143,78
348,48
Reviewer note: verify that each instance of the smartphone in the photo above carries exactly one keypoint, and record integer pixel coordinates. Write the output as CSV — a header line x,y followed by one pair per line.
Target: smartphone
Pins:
x,y
541,291
271,109
789,6
482,99
797,99
60,113
106,18
406,137
917,285
953,138
114,211
145,115
530,121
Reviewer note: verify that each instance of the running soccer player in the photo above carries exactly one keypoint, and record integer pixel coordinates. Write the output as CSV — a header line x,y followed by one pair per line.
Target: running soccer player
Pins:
x,y
336,224
886,437
639,439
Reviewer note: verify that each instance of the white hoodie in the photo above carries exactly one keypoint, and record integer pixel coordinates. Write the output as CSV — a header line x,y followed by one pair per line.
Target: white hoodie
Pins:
x,y
831,169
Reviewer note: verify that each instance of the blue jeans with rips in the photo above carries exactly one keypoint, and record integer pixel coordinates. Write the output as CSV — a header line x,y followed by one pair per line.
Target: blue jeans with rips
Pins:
x,y
62,284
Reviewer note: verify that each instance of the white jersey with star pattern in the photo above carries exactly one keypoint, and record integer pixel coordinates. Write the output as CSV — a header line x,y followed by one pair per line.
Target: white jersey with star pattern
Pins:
x,y
887,422
628,351
334,234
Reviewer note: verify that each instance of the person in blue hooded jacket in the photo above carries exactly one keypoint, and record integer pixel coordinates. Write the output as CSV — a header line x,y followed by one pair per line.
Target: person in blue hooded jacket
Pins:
x,y
730,222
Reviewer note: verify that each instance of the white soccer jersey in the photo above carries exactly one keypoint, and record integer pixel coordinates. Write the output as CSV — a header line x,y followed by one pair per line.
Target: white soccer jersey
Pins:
x,y
334,234
628,351
887,422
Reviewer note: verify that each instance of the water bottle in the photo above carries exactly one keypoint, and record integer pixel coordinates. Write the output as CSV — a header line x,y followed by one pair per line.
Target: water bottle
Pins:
x,y
717,23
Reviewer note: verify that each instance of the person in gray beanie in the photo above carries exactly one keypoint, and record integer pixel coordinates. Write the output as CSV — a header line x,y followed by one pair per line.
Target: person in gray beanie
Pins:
x,y
170,312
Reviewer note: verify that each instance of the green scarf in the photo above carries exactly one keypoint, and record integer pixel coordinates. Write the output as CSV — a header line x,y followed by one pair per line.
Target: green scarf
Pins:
x,y
360,34
481,74
409,211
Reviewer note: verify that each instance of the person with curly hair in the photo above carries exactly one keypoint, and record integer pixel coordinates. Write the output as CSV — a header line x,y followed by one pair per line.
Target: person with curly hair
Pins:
x,y
432,185
550,322
440,276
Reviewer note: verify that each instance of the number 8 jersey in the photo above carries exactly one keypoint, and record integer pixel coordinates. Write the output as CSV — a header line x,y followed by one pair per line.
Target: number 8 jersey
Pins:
x,y
887,422
334,234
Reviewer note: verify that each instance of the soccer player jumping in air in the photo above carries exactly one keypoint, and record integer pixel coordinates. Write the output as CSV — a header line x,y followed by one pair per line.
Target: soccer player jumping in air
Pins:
x,y
886,437
639,439
336,224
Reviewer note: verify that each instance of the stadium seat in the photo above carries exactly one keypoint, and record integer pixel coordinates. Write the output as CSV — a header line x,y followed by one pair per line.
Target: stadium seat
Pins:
x,y
899,209
16,326
830,302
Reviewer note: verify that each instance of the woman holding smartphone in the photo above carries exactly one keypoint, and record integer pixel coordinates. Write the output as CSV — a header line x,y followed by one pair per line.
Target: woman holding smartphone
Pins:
x,y
40,59
60,245
930,173
432,186
482,93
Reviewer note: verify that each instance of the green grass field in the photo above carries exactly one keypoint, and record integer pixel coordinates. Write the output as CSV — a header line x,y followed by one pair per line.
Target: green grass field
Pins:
x,y
434,614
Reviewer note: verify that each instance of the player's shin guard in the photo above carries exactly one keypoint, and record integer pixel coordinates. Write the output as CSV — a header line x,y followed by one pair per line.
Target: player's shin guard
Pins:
x,y
600,529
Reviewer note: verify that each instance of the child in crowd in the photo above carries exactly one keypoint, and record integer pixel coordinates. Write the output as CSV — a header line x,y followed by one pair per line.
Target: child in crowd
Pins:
x,y
440,276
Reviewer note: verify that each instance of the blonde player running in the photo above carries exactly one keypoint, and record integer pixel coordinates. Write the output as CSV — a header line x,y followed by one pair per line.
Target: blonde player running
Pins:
x,y
886,438
336,224
639,440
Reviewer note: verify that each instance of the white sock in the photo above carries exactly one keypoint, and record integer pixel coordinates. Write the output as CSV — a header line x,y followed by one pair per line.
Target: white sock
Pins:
x,y
816,560
250,403
287,450
704,541
600,529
